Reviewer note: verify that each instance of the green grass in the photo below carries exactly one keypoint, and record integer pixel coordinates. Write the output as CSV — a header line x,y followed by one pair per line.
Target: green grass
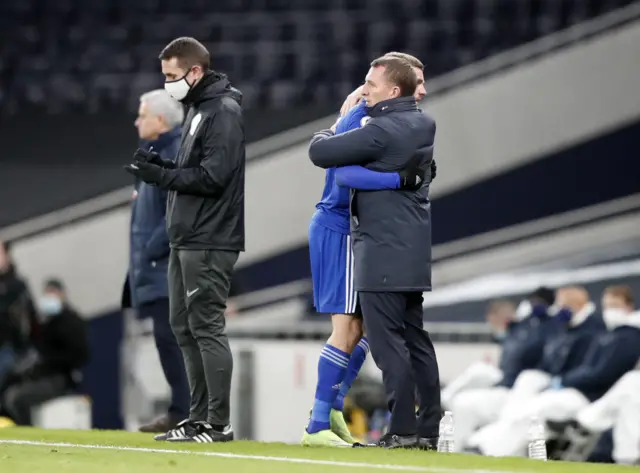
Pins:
x,y
72,459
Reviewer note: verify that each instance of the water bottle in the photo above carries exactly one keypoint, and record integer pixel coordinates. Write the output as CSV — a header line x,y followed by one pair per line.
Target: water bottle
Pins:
x,y
445,438
537,441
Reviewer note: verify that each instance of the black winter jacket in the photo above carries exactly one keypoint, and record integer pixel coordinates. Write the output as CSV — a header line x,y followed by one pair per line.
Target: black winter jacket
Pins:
x,y
205,205
390,230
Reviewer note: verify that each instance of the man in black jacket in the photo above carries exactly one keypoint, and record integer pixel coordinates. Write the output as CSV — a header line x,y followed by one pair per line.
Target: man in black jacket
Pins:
x,y
391,234
53,369
158,123
205,223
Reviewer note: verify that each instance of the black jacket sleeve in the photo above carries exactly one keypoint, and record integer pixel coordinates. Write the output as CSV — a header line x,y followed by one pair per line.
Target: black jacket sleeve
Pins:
x,y
222,137
353,147
617,359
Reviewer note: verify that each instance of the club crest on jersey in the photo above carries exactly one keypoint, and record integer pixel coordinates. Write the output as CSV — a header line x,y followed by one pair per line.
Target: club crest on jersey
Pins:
x,y
364,120
194,124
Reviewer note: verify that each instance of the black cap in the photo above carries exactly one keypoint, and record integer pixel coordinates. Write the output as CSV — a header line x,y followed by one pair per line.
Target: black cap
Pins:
x,y
545,294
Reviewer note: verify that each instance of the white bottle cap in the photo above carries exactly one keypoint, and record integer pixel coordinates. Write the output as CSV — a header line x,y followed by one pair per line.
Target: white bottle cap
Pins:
x,y
448,413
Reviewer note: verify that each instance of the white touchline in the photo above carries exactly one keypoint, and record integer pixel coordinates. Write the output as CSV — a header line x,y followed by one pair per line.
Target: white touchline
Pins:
x,y
254,457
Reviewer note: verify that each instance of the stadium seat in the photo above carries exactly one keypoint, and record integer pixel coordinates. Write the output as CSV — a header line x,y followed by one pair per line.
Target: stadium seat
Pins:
x,y
95,40
67,412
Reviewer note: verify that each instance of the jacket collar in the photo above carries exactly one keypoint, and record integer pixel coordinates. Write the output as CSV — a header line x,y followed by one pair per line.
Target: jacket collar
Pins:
x,y
164,140
582,315
211,85
399,104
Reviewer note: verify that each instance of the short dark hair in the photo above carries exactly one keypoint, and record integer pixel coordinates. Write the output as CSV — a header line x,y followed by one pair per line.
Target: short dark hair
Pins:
x,y
55,284
543,294
623,292
414,61
188,51
399,72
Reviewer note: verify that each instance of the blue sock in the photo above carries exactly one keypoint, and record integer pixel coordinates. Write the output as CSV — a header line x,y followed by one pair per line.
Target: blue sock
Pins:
x,y
332,367
355,363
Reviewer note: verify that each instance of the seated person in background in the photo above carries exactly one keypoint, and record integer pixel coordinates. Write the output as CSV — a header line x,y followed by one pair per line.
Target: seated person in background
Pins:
x,y
17,314
619,408
576,323
477,396
52,369
610,355
619,411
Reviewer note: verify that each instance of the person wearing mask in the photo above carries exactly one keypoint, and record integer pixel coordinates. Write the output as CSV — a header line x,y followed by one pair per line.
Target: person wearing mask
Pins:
x,y
610,355
159,128
61,350
17,314
477,396
205,224
619,408
575,324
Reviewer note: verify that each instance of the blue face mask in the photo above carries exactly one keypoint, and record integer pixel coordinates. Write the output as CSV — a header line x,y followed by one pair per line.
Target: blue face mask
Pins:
x,y
50,305
564,315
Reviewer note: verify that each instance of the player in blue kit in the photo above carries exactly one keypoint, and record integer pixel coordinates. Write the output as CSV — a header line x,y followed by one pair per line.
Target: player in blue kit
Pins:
x,y
332,272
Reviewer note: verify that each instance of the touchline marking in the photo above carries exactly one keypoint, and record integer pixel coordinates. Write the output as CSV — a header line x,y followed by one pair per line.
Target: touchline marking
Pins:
x,y
253,457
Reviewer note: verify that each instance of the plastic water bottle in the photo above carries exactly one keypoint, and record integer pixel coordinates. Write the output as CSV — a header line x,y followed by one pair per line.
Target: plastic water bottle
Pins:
x,y
537,441
445,438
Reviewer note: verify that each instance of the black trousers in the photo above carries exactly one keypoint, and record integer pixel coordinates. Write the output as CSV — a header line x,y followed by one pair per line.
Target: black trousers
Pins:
x,y
404,353
170,356
199,282
23,395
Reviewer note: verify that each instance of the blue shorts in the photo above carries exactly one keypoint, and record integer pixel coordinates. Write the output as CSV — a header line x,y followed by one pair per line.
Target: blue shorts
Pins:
x,y
332,271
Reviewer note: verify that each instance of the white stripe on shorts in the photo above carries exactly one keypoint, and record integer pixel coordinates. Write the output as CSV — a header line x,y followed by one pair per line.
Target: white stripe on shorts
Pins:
x,y
351,296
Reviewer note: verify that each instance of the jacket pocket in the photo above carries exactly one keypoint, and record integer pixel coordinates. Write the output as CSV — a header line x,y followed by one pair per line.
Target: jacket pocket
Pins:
x,y
184,216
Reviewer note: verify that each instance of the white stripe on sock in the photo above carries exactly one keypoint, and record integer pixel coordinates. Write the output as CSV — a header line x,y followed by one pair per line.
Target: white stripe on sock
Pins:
x,y
334,358
364,345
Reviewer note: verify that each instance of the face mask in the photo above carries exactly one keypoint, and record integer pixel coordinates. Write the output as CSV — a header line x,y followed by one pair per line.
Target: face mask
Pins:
x,y
178,89
50,305
524,310
613,317
564,314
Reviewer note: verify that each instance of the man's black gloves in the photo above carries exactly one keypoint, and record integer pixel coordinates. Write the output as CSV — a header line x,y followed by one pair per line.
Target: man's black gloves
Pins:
x,y
144,156
149,173
411,178
149,166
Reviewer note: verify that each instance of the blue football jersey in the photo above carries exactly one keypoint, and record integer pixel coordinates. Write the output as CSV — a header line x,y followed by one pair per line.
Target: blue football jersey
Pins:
x,y
333,208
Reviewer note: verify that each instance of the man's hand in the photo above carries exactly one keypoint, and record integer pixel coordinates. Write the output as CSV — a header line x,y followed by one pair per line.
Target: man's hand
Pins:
x,y
411,178
144,156
352,100
149,173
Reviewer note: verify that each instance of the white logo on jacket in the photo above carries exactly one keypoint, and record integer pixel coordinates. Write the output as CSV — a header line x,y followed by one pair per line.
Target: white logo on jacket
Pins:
x,y
194,124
